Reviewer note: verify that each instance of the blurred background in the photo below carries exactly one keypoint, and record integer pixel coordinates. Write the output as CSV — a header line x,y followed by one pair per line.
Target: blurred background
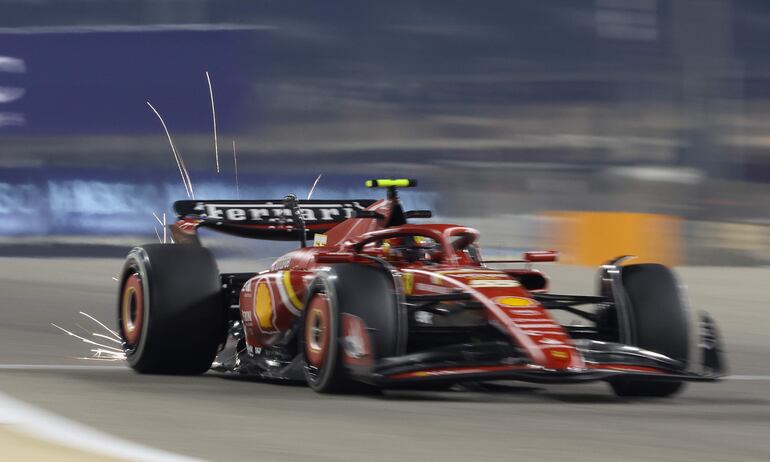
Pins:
x,y
593,127
596,127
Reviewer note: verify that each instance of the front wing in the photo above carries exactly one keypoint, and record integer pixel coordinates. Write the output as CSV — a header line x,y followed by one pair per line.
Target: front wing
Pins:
x,y
604,361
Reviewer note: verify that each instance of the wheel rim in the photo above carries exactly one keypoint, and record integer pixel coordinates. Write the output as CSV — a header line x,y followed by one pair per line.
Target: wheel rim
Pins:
x,y
132,310
317,331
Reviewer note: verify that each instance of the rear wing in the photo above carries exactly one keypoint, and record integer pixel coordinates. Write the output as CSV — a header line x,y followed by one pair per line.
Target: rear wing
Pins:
x,y
263,219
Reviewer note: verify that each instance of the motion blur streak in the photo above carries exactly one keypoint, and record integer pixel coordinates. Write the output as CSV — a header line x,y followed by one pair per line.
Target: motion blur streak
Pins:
x,y
593,127
65,202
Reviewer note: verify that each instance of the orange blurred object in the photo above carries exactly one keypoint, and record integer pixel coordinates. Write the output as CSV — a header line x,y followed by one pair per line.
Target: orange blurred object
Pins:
x,y
592,238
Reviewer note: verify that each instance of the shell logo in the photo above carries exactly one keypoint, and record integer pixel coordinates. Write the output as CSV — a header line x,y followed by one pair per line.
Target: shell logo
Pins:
x,y
263,306
559,354
408,281
515,302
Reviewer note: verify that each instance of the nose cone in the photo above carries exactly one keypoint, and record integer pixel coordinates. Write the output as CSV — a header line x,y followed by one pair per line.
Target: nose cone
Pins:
x,y
546,341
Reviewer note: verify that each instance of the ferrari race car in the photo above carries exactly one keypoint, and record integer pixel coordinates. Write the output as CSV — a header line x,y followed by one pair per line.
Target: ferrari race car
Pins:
x,y
379,302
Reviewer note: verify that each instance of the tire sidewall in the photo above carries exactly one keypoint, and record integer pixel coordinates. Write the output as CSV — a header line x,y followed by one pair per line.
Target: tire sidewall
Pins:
x,y
329,372
184,320
676,313
137,262
661,323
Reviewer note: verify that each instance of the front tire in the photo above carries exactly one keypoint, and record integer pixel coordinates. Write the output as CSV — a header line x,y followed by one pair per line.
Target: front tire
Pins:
x,y
320,343
170,310
362,291
661,324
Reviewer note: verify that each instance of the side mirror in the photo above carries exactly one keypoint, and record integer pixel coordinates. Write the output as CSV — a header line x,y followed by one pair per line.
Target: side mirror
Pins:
x,y
539,256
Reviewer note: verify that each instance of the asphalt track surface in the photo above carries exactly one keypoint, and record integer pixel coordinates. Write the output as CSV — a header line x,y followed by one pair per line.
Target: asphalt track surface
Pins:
x,y
216,418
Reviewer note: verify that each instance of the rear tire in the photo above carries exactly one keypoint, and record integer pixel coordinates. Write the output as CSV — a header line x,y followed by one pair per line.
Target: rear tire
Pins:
x,y
660,322
170,309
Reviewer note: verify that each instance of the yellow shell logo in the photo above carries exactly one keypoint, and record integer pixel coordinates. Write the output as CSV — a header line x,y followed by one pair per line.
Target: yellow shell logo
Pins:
x,y
559,354
263,306
408,280
515,302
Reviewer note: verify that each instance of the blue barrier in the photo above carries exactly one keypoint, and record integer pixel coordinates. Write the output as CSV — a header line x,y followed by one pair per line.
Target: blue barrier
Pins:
x,y
48,201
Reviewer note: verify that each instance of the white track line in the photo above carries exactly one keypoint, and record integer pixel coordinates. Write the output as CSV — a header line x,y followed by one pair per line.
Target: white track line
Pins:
x,y
51,427
748,377
58,367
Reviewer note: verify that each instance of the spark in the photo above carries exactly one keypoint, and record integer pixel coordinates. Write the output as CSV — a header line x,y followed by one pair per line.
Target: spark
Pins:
x,y
235,163
101,324
115,279
179,161
157,233
106,337
214,118
101,352
91,342
103,355
310,194
163,225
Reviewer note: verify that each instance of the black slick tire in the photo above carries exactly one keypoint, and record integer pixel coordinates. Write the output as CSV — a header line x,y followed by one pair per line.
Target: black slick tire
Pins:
x,y
661,324
359,290
170,309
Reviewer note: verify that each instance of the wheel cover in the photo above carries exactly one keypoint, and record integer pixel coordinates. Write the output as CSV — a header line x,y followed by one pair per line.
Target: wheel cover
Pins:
x,y
316,333
132,310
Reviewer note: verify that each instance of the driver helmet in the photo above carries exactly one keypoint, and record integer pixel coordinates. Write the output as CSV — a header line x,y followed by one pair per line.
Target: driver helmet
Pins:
x,y
412,248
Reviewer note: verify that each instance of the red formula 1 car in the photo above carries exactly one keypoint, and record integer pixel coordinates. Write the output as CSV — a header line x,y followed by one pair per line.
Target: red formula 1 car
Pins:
x,y
381,302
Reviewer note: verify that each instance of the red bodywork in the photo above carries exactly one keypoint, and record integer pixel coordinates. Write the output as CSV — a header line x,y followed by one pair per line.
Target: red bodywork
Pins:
x,y
272,301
